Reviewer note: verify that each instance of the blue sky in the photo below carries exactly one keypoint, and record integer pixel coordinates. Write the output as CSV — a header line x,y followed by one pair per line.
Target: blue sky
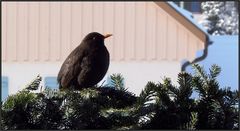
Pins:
x,y
224,53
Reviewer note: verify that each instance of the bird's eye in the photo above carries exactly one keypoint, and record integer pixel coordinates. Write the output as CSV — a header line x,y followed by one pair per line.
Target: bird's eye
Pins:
x,y
94,38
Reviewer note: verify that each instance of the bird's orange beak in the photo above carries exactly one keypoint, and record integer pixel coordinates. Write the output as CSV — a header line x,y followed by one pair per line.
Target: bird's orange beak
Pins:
x,y
107,35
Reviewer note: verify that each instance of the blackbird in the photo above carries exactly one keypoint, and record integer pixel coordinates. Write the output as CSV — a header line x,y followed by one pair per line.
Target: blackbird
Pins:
x,y
86,65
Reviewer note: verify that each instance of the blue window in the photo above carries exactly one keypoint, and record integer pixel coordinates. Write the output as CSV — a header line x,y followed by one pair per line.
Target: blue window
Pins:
x,y
51,82
4,87
196,7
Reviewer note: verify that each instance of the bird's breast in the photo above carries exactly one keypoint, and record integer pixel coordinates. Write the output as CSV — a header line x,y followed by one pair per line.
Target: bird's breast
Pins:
x,y
101,57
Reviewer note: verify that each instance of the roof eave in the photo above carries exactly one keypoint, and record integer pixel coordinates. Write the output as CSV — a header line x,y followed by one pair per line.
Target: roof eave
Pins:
x,y
183,20
203,36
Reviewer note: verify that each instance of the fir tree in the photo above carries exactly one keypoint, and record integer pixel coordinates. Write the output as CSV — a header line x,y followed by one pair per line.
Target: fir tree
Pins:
x,y
159,106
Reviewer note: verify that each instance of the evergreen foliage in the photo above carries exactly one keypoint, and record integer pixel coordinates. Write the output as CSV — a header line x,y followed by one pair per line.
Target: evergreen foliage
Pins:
x,y
159,106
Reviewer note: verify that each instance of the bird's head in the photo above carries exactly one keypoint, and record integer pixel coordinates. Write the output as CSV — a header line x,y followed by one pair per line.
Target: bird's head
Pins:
x,y
97,37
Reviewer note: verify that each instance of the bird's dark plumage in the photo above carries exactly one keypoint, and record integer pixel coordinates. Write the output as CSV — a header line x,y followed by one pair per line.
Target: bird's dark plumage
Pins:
x,y
86,65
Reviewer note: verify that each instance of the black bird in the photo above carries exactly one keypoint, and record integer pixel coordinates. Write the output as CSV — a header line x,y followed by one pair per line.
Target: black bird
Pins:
x,y
86,65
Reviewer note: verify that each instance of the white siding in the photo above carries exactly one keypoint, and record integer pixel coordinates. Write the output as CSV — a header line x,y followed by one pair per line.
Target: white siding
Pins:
x,y
135,78
49,31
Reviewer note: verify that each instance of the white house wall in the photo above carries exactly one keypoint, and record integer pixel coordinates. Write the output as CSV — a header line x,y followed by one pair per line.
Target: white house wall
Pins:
x,y
49,31
136,74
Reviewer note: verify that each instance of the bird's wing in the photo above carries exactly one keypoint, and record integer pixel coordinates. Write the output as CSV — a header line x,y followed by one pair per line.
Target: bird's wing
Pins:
x,y
86,67
71,67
